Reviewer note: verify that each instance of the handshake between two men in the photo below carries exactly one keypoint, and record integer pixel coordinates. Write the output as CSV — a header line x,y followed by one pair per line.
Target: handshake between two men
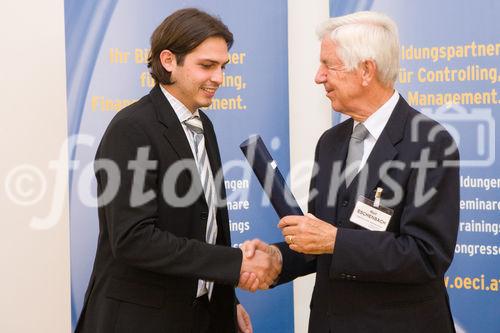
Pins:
x,y
262,262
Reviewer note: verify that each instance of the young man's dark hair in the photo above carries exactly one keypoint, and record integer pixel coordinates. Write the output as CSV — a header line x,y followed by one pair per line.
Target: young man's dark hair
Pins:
x,y
180,33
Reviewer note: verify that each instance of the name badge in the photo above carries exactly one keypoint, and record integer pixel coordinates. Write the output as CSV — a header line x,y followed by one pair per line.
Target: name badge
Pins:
x,y
370,215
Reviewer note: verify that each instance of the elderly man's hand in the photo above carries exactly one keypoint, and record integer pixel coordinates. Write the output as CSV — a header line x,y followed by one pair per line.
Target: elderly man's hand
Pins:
x,y
308,234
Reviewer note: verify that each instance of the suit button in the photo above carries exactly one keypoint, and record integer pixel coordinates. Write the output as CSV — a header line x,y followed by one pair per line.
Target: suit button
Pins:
x,y
204,215
345,203
339,223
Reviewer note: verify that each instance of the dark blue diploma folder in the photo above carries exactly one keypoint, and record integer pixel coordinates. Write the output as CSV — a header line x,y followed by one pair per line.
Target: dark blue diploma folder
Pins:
x,y
270,177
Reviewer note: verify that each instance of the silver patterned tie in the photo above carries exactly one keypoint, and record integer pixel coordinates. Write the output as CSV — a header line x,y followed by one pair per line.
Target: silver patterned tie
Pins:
x,y
355,153
194,124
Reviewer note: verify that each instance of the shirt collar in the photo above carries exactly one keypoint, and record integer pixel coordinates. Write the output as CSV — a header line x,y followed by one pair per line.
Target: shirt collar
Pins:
x,y
376,122
181,111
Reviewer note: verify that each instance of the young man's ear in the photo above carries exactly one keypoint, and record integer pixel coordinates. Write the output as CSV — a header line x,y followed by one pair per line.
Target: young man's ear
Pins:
x,y
168,60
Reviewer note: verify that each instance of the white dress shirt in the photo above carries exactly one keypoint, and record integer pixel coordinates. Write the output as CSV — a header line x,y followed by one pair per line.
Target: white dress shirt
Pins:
x,y
183,114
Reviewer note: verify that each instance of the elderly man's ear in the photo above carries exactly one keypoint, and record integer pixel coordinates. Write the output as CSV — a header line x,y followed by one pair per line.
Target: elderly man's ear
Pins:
x,y
368,72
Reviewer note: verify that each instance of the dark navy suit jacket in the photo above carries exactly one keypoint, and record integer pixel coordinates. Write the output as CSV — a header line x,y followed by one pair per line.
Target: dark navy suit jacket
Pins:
x,y
389,281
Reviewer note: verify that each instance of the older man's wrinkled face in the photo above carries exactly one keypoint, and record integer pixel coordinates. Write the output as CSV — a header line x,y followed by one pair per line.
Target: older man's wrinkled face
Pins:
x,y
342,87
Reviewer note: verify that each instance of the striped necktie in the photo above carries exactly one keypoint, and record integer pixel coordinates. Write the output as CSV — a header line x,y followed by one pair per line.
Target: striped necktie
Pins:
x,y
196,127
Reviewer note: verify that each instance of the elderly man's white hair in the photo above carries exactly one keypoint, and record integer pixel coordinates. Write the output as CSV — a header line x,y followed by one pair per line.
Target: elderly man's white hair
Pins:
x,y
365,35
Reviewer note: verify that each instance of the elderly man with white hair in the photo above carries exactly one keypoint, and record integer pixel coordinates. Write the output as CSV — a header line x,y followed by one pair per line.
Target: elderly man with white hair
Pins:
x,y
384,196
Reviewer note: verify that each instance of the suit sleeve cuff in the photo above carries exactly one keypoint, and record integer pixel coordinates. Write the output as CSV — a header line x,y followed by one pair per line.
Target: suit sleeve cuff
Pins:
x,y
338,266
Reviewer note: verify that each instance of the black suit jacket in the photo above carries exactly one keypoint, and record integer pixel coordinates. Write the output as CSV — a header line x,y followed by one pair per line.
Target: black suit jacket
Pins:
x,y
150,256
389,281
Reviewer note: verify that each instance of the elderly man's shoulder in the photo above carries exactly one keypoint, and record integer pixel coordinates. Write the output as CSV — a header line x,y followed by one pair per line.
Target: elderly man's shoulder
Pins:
x,y
339,130
422,127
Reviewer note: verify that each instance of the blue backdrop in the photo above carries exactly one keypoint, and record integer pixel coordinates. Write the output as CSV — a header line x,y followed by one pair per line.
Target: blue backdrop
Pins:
x,y
101,78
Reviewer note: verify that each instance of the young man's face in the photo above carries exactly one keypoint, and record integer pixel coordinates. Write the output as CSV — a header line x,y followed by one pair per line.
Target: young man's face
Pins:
x,y
201,73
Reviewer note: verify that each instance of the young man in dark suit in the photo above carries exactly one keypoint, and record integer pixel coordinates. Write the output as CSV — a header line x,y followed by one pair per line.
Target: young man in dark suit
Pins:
x,y
164,261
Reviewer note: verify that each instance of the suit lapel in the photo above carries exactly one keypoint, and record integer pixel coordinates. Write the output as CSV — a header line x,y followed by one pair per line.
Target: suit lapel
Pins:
x,y
340,146
384,150
335,153
174,133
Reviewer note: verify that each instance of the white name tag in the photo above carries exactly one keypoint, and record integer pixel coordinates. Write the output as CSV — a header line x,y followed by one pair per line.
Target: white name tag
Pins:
x,y
369,217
